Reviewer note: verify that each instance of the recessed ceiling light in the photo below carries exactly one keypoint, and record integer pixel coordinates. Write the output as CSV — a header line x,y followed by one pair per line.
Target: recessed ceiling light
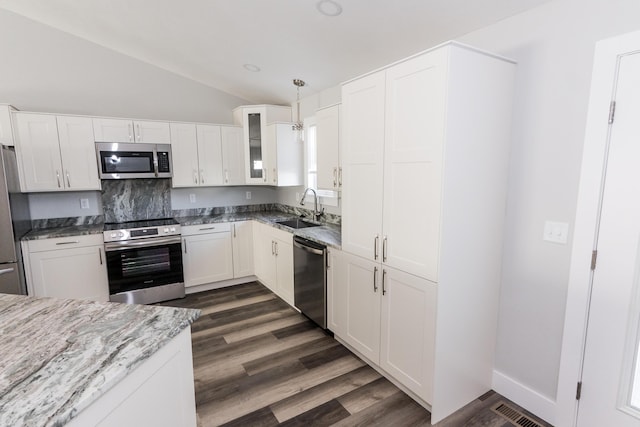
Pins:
x,y
329,8
251,67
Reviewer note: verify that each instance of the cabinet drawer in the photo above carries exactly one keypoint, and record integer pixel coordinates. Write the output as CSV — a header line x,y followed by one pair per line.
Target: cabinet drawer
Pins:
x,y
221,227
65,242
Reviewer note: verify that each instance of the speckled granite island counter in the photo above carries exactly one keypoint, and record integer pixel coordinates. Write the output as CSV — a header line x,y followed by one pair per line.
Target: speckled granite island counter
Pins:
x,y
72,362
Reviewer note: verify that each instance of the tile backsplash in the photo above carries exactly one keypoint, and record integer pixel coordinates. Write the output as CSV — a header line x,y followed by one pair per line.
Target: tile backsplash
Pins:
x,y
136,199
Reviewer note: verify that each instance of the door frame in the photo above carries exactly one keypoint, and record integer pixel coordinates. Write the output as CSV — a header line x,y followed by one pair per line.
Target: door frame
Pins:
x,y
607,53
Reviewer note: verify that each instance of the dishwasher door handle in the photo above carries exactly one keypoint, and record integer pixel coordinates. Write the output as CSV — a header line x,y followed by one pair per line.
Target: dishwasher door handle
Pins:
x,y
308,249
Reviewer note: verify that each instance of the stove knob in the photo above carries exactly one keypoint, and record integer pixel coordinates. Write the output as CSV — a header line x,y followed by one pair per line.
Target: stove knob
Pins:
x,y
173,229
166,230
113,235
120,234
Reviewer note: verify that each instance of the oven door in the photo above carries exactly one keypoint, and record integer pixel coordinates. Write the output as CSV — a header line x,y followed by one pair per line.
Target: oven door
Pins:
x,y
143,263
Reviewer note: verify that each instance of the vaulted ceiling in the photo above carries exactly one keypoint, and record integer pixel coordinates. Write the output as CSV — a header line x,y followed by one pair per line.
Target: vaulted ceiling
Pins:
x,y
215,41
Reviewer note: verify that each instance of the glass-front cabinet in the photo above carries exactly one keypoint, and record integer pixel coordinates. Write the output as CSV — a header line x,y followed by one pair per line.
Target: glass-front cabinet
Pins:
x,y
254,119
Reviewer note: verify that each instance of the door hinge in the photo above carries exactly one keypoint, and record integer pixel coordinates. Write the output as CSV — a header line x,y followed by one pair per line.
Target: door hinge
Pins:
x,y
612,111
579,390
594,257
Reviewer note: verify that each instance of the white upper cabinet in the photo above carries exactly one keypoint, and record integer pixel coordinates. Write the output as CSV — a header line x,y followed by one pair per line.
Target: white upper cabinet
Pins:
x,y
197,155
55,154
184,153
210,154
232,155
6,130
328,151
78,153
124,130
254,120
284,156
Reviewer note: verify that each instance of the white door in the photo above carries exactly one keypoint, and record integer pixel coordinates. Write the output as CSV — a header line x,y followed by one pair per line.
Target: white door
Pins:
x,y
152,132
284,269
207,258
78,152
242,233
210,155
611,375
113,130
38,152
184,153
328,147
363,131
363,292
232,155
408,330
414,134
336,292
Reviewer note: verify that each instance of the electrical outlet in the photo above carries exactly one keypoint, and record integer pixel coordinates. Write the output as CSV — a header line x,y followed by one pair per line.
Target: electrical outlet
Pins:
x,y
556,232
84,203
248,195
192,198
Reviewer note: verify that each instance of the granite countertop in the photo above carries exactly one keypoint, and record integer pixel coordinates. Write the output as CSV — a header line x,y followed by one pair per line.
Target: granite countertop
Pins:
x,y
326,234
63,231
59,356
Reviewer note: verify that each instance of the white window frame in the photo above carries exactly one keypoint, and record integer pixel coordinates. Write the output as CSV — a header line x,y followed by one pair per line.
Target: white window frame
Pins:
x,y
326,197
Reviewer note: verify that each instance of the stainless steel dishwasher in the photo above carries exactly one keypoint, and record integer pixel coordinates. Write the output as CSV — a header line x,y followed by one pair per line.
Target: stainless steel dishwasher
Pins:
x,y
310,279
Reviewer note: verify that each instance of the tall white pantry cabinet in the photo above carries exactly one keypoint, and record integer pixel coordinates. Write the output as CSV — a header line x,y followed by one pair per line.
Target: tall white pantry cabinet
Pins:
x,y
425,158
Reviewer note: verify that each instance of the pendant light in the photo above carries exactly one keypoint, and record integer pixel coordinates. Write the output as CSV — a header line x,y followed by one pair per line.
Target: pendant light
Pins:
x,y
297,125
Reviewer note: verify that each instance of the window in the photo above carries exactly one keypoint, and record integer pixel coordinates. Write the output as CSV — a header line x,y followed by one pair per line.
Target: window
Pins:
x,y
327,197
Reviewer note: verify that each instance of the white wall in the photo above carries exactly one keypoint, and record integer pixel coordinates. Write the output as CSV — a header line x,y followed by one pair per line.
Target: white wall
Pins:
x,y
554,47
44,69
221,196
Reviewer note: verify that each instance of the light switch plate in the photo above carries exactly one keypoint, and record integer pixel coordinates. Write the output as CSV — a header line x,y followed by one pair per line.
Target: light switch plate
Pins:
x,y
248,195
84,203
192,198
556,232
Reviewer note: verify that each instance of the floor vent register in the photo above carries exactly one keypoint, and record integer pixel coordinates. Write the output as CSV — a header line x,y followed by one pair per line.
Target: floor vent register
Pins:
x,y
516,417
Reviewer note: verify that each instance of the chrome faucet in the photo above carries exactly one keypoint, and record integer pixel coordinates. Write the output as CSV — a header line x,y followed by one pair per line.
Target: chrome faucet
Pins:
x,y
316,214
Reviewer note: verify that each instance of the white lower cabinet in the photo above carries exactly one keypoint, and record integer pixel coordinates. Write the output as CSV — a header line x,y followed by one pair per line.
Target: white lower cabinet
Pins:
x,y
242,233
207,253
72,267
386,315
273,255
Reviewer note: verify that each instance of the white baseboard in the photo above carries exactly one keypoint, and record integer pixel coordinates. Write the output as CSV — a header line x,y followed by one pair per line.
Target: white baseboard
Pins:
x,y
539,405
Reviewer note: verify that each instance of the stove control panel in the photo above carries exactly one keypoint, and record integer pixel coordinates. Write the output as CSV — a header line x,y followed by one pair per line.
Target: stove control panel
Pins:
x,y
141,233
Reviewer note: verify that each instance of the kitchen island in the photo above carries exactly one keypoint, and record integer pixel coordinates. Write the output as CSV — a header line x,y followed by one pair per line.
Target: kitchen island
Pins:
x,y
72,362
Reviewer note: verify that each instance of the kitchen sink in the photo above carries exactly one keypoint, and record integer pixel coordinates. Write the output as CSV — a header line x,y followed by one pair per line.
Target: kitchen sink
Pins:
x,y
297,223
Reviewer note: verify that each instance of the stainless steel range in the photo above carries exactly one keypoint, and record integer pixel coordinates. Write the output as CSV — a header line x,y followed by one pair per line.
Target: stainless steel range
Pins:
x,y
144,261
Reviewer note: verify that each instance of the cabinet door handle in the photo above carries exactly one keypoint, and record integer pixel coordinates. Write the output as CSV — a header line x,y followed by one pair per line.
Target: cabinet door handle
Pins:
x,y
138,134
100,255
340,176
384,276
375,247
201,176
226,176
264,174
71,242
276,248
335,177
195,176
384,249
206,228
234,231
375,279
58,178
68,181
275,175
273,251
184,242
130,130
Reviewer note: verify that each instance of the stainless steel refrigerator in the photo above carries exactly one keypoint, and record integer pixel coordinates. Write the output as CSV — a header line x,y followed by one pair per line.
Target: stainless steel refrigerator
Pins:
x,y
15,221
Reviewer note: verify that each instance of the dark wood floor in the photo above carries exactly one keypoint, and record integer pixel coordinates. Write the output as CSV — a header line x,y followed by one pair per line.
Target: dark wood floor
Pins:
x,y
257,362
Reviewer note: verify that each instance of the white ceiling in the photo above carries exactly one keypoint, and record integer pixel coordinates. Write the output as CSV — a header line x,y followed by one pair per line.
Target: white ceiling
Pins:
x,y
209,40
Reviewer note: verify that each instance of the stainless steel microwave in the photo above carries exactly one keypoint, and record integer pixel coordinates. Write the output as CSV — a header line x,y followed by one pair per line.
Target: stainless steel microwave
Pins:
x,y
124,161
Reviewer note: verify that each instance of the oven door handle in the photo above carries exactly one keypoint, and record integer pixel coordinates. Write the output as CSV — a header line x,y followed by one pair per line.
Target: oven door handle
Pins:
x,y
120,246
